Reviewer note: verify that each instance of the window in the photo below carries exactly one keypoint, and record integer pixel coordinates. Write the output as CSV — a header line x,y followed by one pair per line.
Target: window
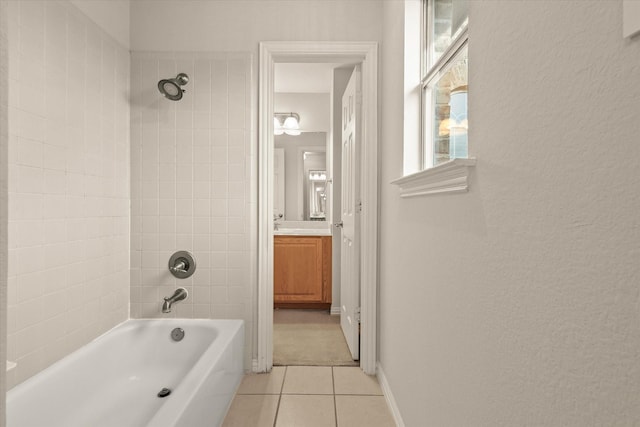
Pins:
x,y
444,81
435,150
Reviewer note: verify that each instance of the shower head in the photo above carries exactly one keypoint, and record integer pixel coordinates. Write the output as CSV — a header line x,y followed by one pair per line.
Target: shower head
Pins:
x,y
171,89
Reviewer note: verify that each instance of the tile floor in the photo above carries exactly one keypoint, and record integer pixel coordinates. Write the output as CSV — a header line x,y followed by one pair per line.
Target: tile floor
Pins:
x,y
309,396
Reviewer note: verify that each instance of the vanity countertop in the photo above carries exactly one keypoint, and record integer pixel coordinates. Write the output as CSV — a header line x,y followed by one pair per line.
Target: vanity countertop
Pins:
x,y
302,232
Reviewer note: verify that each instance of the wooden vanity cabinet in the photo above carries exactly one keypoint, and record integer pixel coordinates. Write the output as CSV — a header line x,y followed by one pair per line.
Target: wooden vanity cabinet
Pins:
x,y
302,272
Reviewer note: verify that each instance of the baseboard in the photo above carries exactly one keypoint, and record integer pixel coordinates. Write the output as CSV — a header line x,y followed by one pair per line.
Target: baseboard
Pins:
x,y
335,311
254,365
388,395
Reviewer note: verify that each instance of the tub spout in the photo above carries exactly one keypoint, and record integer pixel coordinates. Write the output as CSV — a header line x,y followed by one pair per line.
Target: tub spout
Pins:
x,y
178,295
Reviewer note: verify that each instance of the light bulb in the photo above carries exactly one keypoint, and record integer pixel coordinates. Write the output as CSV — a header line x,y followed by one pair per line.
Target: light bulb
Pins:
x,y
291,123
277,127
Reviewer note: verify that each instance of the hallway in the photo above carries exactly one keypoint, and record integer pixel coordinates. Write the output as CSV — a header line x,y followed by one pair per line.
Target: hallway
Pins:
x,y
309,337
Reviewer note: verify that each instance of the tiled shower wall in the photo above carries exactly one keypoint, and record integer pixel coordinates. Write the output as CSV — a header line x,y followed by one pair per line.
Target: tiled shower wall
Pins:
x,y
68,268
190,186
4,211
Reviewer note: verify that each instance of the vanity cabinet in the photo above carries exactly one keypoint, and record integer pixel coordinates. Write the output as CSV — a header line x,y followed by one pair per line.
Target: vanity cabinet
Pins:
x,y
302,271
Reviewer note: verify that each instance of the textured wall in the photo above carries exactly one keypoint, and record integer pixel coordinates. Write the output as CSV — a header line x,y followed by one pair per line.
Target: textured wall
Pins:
x,y
231,25
68,183
520,298
110,15
190,186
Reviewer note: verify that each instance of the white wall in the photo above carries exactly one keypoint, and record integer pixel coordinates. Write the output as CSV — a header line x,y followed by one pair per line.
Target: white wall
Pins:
x,y
520,298
68,273
231,25
113,16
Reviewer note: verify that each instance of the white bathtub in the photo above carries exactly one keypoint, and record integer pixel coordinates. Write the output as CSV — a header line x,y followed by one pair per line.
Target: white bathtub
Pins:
x,y
114,380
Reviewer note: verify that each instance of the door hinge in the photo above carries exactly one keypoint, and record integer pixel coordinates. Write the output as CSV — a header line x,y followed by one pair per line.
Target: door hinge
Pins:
x,y
357,315
359,206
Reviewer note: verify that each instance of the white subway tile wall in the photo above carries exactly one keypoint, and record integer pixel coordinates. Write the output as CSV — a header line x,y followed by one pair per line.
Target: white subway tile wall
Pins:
x,y
68,183
191,176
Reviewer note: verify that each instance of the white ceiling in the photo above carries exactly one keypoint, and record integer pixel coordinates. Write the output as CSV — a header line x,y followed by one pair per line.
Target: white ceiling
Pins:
x,y
303,77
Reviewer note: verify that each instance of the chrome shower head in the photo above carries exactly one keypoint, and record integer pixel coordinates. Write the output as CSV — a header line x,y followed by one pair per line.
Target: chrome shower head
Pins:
x,y
171,89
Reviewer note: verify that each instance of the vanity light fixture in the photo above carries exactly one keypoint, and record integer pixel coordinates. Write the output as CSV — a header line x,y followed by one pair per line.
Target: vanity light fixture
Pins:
x,y
288,123
317,176
277,126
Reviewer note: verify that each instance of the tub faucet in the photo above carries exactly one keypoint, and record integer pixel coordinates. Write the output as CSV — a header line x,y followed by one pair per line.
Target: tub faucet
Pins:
x,y
178,295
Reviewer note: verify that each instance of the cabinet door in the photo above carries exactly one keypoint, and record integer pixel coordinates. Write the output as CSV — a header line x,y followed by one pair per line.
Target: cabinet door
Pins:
x,y
298,264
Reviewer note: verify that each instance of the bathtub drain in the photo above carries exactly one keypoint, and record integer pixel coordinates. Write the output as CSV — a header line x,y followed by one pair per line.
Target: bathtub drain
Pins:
x,y
177,334
164,392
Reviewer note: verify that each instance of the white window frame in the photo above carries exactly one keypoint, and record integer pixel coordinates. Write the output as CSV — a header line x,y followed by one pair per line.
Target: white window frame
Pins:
x,y
451,176
431,76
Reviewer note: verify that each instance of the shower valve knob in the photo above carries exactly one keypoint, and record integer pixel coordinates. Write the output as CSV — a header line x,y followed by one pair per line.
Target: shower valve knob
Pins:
x,y
182,264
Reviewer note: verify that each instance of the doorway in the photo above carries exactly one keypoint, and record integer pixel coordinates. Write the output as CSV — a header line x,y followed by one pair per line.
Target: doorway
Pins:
x,y
307,200
364,54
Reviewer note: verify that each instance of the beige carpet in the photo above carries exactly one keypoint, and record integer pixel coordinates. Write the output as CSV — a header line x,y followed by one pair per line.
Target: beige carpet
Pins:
x,y
311,338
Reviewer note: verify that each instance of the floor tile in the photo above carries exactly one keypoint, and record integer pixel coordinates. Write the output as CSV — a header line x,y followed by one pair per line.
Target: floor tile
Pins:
x,y
308,380
270,383
252,411
306,411
349,380
363,411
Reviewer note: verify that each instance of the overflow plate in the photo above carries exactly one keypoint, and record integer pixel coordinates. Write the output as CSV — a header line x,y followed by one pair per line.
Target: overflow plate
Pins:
x,y
164,392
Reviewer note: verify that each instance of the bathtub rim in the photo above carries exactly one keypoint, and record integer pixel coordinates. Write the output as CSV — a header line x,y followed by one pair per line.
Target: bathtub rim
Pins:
x,y
73,354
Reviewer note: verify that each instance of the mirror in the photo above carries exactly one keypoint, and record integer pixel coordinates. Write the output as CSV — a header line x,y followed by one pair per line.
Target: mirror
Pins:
x,y
317,195
299,162
314,176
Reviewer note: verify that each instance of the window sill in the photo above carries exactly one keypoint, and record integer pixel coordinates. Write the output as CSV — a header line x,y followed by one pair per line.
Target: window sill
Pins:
x,y
449,177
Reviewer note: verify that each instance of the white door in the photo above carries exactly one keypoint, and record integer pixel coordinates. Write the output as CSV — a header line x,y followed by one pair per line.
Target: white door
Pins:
x,y
278,183
350,249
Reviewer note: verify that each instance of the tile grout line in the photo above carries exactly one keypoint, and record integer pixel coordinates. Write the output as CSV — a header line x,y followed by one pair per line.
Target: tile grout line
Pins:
x,y
275,418
335,407
284,376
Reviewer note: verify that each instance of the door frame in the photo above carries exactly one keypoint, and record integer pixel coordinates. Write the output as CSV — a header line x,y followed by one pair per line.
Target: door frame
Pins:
x,y
365,53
